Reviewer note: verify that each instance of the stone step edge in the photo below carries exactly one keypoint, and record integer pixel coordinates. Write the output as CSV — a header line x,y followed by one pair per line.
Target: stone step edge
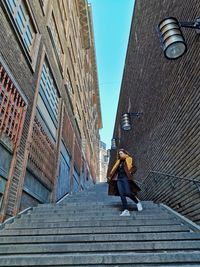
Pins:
x,y
100,238
100,258
38,233
192,225
59,248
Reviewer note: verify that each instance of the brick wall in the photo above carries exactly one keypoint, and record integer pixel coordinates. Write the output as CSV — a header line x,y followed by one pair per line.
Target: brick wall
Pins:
x,y
166,137
13,56
56,36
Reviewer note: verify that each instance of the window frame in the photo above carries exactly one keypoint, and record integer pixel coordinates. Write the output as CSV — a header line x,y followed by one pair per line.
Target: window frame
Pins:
x,y
60,60
44,4
41,117
32,54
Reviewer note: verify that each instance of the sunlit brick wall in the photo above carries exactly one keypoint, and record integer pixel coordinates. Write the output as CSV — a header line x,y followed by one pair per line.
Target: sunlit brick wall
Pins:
x,y
166,137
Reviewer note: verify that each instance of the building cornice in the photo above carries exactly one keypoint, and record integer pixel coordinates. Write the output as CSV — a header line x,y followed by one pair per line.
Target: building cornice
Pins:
x,y
85,25
95,74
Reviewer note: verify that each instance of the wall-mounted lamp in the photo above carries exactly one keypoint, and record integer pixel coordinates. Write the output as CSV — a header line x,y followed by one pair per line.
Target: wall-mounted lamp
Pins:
x,y
171,36
126,124
114,142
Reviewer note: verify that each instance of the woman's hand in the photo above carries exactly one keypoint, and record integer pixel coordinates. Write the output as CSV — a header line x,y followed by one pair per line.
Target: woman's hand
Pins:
x,y
108,180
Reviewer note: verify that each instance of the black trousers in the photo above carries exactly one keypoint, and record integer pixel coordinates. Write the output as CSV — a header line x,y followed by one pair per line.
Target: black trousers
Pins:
x,y
125,191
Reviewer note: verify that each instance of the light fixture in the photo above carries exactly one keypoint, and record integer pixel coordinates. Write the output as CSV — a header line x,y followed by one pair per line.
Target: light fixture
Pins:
x,y
114,143
171,36
126,124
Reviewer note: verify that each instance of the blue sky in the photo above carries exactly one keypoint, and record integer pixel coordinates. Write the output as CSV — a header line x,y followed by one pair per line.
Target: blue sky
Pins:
x,y
112,20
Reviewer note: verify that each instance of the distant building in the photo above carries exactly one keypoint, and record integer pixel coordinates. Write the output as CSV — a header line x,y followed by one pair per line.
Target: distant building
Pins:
x,y
103,162
49,102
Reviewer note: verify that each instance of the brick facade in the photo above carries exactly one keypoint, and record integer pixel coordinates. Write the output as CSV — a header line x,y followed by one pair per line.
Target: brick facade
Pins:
x,y
50,56
165,139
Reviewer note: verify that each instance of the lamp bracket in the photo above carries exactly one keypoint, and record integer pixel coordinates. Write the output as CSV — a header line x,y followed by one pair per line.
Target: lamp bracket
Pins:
x,y
193,24
116,138
136,113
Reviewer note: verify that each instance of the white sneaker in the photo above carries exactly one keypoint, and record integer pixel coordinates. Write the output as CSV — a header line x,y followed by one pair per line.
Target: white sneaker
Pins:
x,y
139,206
125,213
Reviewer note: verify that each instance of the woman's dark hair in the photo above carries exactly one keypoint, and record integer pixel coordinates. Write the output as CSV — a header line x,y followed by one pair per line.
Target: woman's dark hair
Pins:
x,y
124,151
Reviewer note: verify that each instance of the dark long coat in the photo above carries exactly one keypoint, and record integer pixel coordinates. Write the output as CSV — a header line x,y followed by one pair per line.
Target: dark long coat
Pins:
x,y
130,169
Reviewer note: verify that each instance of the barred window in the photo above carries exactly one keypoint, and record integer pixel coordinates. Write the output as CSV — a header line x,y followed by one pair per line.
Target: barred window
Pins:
x,y
55,36
23,22
48,91
48,103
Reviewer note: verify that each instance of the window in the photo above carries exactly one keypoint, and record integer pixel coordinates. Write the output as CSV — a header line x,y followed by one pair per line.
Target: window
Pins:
x,y
25,27
1,199
54,35
43,4
69,84
78,112
72,46
48,100
64,11
47,88
71,62
22,21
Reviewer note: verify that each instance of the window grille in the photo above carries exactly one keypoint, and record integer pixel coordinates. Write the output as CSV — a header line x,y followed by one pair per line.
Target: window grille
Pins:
x,y
12,108
42,156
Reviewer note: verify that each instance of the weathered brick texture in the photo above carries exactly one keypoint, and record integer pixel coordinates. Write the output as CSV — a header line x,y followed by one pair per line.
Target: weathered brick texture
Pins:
x,y
13,56
166,137
60,46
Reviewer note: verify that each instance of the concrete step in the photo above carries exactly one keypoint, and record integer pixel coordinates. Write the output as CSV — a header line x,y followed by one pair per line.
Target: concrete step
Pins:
x,y
135,265
89,223
103,211
91,217
87,259
91,213
86,230
92,205
114,237
91,230
133,246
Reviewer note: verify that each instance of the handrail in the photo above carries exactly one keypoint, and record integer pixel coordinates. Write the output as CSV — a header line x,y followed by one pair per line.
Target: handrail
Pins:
x,y
172,191
11,219
63,197
174,176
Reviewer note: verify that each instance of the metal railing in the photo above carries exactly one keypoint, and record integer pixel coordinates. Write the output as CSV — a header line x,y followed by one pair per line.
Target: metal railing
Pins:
x,y
194,181
180,193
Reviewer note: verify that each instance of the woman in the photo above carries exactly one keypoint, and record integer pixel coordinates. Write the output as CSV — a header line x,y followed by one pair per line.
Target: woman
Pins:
x,y
121,181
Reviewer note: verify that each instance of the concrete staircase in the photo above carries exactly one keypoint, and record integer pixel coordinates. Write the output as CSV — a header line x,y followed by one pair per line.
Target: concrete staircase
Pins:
x,y
86,230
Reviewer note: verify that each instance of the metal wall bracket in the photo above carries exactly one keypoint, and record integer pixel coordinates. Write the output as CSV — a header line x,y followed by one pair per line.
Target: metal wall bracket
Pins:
x,y
194,25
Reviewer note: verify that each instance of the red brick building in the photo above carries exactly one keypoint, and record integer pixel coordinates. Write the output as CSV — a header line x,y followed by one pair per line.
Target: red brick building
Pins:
x,y
49,102
165,139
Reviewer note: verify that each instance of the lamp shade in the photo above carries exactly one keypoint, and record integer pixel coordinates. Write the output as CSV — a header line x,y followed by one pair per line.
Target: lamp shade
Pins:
x,y
173,42
126,122
113,143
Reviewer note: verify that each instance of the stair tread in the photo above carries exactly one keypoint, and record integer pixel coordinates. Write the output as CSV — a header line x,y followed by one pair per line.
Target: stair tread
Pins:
x,y
107,229
100,237
99,258
86,230
103,246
